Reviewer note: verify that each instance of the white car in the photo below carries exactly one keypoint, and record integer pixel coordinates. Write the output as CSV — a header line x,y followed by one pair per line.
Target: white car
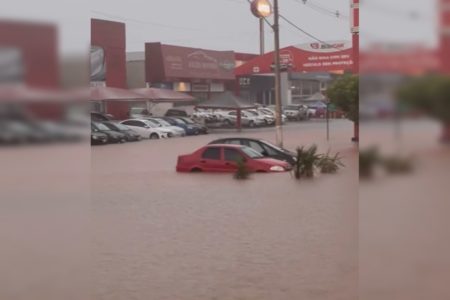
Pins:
x,y
175,131
229,118
268,119
146,129
269,112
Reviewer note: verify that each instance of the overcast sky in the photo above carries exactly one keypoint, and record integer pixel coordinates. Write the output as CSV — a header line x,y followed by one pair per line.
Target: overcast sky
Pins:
x,y
228,24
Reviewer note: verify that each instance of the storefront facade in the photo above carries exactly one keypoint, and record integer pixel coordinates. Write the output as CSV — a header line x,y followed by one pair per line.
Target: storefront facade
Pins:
x,y
307,69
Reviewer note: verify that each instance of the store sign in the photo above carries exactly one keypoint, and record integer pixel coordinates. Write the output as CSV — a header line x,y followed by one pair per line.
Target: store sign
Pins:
x,y
244,81
182,62
310,57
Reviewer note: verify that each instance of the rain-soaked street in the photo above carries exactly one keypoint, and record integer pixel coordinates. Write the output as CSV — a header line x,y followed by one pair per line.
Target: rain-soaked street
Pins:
x,y
162,235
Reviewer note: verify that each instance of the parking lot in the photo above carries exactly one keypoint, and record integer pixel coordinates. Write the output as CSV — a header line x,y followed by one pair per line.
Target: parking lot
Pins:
x,y
164,235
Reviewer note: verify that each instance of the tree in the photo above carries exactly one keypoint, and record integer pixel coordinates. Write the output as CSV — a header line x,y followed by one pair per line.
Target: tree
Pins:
x,y
430,94
344,93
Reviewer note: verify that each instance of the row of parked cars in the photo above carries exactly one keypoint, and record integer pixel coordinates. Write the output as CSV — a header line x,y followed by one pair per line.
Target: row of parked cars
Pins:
x,y
263,116
104,130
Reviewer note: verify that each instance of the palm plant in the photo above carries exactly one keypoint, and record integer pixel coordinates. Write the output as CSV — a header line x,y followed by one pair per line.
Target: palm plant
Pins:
x,y
330,164
306,162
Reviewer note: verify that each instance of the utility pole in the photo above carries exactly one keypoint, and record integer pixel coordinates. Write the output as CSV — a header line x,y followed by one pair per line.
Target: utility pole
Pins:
x,y
278,112
261,36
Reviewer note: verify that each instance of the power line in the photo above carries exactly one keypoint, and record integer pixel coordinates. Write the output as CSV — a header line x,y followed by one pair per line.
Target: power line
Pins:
x,y
307,33
323,10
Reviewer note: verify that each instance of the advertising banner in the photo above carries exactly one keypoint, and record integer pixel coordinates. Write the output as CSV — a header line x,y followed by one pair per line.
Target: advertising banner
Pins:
x,y
188,63
311,57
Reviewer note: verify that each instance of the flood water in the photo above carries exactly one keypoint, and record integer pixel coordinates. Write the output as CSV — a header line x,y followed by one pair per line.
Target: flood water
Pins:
x,y
162,235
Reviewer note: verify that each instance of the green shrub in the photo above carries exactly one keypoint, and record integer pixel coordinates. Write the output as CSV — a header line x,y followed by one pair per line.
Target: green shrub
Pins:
x,y
306,162
330,164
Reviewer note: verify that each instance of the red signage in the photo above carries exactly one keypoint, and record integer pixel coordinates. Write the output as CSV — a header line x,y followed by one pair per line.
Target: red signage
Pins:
x,y
311,57
165,62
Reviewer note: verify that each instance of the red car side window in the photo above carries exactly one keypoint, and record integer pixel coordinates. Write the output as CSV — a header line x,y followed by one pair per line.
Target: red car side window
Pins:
x,y
211,153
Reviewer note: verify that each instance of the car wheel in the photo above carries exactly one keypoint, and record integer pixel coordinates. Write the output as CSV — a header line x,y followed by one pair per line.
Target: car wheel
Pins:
x,y
251,124
154,136
228,122
196,170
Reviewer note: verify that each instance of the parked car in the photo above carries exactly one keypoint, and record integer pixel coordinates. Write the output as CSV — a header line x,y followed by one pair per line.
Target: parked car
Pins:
x,y
175,131
271,113
113,136
189,129
224,158
296,112
319,108
263,147
202,129
146,129
130,134
230,119
98,138
100,117
268,119
174,112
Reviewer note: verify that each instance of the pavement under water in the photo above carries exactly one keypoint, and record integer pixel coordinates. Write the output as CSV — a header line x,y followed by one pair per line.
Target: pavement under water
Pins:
x,y
164,235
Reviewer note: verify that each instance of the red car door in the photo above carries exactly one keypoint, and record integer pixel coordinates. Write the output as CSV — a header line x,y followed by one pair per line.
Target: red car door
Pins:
x,y
230,158
211,160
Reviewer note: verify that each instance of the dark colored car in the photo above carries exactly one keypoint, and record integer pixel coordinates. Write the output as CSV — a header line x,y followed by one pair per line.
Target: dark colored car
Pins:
x,y
202,128
100,117
113,136
265,148
173,112
130,135
98,138
190,129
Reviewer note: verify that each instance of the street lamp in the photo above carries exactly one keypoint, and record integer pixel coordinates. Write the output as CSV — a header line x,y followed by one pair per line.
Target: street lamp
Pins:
x,y
262,9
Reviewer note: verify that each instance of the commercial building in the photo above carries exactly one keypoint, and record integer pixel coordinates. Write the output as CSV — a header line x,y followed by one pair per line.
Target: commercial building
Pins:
x,y
307,71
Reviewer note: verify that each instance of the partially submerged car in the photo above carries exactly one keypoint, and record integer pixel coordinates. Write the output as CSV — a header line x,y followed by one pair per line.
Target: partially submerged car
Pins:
x,y
225,158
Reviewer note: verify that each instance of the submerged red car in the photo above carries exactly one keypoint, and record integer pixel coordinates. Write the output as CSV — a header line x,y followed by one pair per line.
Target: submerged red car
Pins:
x,y
224,158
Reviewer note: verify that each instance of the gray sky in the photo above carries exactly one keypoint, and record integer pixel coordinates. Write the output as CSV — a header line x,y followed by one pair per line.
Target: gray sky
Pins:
x,y
227,24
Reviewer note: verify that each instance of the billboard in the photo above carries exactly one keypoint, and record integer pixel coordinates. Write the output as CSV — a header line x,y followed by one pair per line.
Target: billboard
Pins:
x,y
166,62
310,57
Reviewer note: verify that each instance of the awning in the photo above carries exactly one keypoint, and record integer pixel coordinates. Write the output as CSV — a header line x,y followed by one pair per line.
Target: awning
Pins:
x,y
163,95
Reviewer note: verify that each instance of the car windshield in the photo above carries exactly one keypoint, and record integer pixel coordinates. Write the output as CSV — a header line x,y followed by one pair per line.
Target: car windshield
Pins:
x,y
251,153
292,107
154,122
253,112
272,146
180,121
121,127
188,121
163,122
101,126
